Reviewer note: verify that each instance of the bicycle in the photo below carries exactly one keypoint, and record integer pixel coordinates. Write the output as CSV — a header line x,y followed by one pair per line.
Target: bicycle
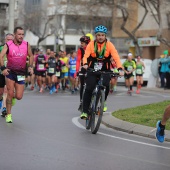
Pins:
x,y
97,102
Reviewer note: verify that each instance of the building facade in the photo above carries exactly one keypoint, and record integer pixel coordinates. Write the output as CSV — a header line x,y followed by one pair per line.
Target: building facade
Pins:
x,y
3,24
70,20
146,34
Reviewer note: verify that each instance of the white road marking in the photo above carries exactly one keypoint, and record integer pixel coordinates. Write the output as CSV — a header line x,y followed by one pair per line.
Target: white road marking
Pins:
x,y
76,122
153,130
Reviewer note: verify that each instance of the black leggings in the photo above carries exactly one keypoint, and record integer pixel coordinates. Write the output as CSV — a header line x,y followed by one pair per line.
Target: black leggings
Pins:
x,y
82,81
91,81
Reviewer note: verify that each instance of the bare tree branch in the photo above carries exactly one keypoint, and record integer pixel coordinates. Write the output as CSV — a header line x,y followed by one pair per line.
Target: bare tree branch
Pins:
x,y
143,4
149,2
157,6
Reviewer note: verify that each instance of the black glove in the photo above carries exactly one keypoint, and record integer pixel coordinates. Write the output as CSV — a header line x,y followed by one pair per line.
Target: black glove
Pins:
x,y
83,70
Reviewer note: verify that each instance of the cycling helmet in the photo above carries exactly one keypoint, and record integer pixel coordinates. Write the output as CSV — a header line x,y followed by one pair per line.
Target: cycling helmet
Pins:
x,y
85,39
100,28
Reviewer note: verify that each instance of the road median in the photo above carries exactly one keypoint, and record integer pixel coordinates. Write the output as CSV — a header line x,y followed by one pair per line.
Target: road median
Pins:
x,y
140,120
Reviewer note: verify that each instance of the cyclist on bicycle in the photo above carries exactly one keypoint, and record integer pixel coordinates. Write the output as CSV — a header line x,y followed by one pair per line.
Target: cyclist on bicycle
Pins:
x,y
84,40
99,51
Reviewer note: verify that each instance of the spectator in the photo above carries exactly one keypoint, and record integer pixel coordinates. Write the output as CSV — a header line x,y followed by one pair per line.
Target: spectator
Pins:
x,y
159,71
165,70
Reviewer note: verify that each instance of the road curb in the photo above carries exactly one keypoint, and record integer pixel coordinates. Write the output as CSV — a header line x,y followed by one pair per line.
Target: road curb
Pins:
x,y
156,89
131,128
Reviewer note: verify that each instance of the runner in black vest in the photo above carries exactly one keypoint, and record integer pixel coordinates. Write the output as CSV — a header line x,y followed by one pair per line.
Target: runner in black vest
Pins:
x,y
51,71
84,40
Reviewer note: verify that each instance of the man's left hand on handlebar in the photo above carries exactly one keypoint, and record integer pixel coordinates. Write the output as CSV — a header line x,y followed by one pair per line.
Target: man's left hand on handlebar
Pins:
x,y
85,66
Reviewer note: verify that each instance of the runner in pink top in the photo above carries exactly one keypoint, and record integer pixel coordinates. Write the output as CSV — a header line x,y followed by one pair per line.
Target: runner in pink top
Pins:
x,y
17,52
16,57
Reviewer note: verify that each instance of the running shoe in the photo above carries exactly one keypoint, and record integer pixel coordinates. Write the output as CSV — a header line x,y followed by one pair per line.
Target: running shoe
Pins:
x,y
160,132
63,88
53,89
111,91
76,89
3,114
9,118
32,87
72,91
129,91
137,91
41,90
84,116
105,107
13,101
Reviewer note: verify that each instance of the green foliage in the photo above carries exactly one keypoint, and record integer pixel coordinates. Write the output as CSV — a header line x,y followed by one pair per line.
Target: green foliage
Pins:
x,y
146,115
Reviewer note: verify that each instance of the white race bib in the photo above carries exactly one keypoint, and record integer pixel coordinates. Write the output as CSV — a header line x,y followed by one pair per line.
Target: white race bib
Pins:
x,y
64,68
139,71
41,66
5,63
130,68
73,67
20,78
57,74
51,70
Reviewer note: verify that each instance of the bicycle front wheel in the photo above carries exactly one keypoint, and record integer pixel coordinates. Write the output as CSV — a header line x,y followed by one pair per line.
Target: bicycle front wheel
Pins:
x,y
96,116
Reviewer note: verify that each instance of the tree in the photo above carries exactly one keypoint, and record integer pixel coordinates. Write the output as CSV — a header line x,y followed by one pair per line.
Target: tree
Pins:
x,y
85,15
155,5
39,23
127,16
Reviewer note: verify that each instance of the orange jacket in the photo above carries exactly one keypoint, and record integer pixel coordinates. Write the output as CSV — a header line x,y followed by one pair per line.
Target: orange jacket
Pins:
x,y
110,50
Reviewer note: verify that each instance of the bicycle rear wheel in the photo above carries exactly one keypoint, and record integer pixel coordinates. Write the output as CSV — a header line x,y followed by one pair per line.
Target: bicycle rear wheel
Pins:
x,y
97,113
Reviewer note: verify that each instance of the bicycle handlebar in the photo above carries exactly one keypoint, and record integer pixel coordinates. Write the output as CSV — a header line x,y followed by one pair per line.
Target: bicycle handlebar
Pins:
x,y
91,70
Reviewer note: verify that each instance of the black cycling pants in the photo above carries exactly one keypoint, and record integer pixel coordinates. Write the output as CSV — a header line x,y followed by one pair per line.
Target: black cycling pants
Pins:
x,y
91,81
82,81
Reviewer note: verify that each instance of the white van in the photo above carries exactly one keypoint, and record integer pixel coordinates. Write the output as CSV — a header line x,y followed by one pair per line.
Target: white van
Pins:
x,y
147,70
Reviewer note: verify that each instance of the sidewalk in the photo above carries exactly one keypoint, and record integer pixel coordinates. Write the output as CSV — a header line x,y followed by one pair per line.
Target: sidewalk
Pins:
x,y
156,89
117,124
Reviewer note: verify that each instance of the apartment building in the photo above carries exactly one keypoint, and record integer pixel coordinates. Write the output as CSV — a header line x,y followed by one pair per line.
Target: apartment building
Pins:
x,y
146,34
4,16
3,23
71,19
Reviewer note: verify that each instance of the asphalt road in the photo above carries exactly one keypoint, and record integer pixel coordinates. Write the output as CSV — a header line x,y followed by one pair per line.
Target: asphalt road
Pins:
x,y
46,134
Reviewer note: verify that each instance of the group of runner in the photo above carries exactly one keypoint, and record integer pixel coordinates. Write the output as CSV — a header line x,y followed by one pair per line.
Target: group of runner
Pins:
x,y
53,71
20,66
131,68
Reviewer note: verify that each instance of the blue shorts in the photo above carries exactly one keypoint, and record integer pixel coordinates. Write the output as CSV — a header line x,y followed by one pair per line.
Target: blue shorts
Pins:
x,y
71,75
13,77
64,75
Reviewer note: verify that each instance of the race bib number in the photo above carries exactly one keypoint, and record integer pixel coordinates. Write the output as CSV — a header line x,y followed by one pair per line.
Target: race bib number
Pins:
x,y
130,68
20,78
58,74
73,68
41,66
64,68
51,70
5,63
139,71
98,66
